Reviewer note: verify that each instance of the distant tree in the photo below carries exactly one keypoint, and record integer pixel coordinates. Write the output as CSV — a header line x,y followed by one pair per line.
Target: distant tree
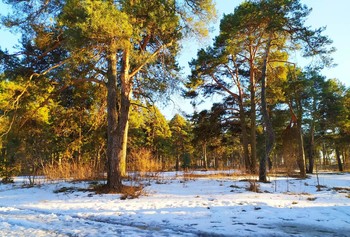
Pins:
x,y
207,128
217,70
280,26
149,130
333,115
181,136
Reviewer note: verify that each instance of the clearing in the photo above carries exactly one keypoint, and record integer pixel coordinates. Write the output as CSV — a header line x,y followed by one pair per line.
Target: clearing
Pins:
x,y
176,204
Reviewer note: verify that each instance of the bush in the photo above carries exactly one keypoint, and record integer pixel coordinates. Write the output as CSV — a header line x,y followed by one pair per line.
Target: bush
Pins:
x,y
8,171
70,170
253,186
142,160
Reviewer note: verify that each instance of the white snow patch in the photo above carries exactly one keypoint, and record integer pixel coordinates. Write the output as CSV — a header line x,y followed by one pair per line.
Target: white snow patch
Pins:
x,y
177,206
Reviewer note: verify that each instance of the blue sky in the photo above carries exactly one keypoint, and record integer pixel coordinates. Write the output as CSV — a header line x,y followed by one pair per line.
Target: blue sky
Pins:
x,y
332,14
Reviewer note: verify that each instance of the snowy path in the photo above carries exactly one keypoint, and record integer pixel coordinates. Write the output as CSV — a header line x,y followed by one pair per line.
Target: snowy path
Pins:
x,y
179,207
26,222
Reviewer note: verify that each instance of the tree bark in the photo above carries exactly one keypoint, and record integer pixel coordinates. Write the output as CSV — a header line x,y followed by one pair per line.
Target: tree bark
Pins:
x,y
337,153
177,165
244,136
123,119
205,155
311,157
252,117
268,129
113,175
301,152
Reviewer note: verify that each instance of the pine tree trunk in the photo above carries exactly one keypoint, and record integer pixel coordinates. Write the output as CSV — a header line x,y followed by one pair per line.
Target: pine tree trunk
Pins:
x,y
177,165
205,155
113,175
345,158
252,121
301,152
122,132
123,119
244,137
337,153
312,137
269,133
311,157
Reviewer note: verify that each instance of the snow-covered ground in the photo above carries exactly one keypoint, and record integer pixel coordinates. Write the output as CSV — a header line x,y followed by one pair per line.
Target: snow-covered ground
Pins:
x,y
178,206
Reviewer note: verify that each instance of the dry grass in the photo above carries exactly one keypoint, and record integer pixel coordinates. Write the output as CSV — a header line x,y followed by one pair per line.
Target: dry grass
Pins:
x,y
70,170
143,161
131,192
253,186
311,198
191,175
342,189
216,175
127,192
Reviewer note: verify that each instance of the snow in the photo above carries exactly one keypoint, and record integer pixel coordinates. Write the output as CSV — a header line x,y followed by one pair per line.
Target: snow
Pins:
x,y
179,205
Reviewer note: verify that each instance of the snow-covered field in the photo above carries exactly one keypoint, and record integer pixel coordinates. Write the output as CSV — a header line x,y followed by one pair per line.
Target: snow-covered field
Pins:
x,y
178,206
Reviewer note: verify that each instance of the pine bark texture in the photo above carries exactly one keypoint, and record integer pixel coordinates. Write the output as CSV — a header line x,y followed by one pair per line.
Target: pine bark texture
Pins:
x,y
269,132
113,176
123,119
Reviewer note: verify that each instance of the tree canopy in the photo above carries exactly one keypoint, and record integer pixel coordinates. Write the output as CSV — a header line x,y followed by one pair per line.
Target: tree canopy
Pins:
x,y
82,86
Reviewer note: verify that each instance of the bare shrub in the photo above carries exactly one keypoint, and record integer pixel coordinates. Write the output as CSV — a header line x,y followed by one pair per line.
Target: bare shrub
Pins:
x,y
253,186
142,160
126,191
132,192
70,170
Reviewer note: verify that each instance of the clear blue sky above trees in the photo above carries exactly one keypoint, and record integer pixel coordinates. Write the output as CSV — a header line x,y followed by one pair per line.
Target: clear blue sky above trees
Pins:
x,y
332,14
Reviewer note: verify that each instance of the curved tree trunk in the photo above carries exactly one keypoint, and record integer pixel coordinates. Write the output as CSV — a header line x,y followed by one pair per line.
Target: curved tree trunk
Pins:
x,y
122,132
123,119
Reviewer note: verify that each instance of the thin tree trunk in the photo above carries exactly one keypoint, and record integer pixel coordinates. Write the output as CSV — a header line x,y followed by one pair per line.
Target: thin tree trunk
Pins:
x,y
312,149
301,152
177,165
344,158
269,133
337,153
205,155
113,175
312,136
324,154
252,120
244,137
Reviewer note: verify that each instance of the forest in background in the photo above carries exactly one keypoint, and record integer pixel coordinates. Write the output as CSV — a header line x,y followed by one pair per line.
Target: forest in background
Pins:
x,y
77,99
